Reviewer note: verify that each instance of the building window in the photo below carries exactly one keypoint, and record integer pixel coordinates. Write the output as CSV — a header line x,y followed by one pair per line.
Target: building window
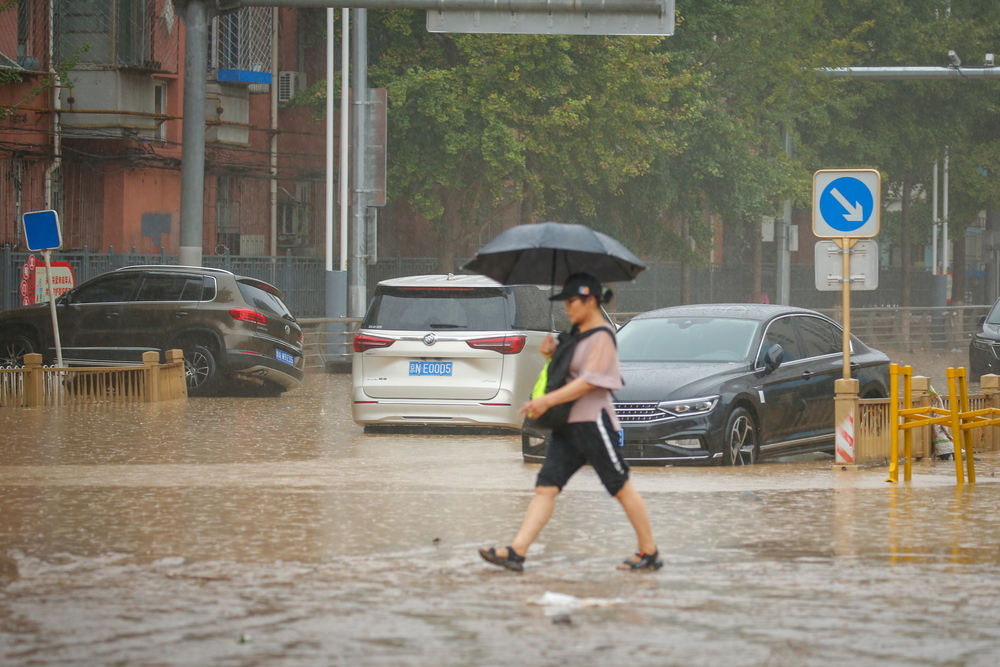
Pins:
x,y
241,40
294,217
103,32
160,109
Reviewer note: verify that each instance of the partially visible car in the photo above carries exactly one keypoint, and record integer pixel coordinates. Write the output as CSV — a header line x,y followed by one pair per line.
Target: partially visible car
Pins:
x,y
985,346
228,326
728,384
449,351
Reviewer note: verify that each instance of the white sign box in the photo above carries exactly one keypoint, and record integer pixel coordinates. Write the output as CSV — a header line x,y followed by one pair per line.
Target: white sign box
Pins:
x,y
830,267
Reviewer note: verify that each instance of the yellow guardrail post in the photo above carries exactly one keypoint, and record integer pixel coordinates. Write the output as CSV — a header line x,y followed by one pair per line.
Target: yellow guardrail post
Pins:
x,y
956,424
908,435
893,423
966,440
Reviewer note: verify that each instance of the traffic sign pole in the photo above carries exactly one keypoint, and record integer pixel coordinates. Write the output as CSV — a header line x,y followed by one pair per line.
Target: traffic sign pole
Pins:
x,y
42,232
52,307
845,280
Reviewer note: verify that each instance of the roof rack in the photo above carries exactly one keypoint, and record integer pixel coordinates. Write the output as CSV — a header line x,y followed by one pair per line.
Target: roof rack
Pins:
x,y
173,267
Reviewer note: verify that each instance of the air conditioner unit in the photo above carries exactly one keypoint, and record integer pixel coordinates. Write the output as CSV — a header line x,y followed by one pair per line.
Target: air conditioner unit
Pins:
x,y
290,83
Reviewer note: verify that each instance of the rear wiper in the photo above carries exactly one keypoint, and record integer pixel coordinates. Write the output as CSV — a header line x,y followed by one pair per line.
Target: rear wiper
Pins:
x,y
440,325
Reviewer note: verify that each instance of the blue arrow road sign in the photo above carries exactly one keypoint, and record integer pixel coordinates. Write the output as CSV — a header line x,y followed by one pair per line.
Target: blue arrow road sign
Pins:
x,y
846,203
41,230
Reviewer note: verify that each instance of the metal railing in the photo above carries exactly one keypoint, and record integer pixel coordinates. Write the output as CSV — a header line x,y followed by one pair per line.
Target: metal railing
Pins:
x,y
327,341
34,385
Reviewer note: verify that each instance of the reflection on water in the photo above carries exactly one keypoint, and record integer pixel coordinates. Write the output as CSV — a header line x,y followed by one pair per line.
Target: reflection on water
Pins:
x,y
162,533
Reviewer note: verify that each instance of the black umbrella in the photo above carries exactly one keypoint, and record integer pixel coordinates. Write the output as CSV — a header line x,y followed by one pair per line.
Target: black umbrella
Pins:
x,y
549,252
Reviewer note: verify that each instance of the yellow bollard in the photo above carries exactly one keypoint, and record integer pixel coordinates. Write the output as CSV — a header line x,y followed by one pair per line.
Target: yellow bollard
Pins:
x,y
893,423
908,436
970,460
956,424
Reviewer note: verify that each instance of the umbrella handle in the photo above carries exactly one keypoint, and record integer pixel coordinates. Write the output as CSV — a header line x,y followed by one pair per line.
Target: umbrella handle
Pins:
x,y
552,316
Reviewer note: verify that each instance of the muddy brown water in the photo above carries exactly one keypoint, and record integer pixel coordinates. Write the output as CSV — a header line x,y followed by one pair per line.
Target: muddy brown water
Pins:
x,y
275,532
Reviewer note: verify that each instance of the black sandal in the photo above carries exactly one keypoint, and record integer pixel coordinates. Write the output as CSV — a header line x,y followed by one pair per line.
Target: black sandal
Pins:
x,y
646,561
512,562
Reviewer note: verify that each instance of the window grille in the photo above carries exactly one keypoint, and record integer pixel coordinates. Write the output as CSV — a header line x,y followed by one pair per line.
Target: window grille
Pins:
x,y
241,40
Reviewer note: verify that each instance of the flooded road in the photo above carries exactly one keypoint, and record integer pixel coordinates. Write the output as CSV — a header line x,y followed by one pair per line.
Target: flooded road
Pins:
x,y
275,532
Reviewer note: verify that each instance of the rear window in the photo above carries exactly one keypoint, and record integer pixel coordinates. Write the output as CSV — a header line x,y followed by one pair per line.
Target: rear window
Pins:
x,y
445,308
535,312
264,301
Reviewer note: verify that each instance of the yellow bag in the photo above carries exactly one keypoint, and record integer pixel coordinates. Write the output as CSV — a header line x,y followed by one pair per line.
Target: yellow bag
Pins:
x,y
542,381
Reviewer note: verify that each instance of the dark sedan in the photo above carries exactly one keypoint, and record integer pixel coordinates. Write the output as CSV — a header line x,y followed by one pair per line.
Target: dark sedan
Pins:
x,y
985,346
727,384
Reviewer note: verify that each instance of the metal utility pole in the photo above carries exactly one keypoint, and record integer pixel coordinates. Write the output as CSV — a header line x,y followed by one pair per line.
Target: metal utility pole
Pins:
x,y
357,268
784,240
336,280
196,18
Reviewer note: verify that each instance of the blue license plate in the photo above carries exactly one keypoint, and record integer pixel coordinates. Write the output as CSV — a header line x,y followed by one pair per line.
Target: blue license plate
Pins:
x,y
430,367
281,355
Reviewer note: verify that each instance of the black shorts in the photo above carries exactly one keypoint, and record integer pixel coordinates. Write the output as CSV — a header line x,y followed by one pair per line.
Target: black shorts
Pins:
x,y
576,444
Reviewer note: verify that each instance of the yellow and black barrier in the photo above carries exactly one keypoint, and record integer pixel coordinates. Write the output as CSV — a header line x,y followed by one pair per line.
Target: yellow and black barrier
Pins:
x,y
958,417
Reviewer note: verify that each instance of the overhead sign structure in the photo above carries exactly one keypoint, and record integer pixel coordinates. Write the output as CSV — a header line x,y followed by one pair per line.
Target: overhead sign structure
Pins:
x,y
652,17
847,203
863,266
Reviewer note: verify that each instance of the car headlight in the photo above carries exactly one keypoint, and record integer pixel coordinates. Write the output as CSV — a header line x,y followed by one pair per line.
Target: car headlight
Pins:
x,y
980,344
689,408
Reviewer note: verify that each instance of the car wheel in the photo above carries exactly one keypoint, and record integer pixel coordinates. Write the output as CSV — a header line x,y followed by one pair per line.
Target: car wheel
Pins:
x,y
200,369
13,347
740,446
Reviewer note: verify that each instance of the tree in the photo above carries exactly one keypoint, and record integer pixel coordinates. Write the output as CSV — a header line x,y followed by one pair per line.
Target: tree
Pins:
x,y
563,123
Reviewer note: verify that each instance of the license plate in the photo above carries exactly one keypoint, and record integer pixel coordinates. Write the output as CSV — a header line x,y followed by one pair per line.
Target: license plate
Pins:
x,y
281,355
430,367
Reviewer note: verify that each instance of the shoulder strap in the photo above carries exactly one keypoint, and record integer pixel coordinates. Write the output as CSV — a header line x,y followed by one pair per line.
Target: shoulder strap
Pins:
x,y
590,332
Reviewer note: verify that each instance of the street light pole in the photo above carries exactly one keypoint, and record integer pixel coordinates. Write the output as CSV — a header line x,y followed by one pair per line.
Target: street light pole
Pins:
x,y
193,138
357,265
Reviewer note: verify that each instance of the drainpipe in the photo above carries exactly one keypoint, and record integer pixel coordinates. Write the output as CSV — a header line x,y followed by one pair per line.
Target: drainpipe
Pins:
x,y
274,132
56,164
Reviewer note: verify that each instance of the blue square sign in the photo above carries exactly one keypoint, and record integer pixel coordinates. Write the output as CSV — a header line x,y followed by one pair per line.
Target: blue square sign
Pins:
x,y
41,230
846,203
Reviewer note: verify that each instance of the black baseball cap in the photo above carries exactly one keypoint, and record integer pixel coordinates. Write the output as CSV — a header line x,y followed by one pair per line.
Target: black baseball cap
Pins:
x,y
581,285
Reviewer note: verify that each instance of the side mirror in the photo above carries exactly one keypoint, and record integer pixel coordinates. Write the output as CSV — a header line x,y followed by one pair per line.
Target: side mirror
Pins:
x,y
773,357
981,321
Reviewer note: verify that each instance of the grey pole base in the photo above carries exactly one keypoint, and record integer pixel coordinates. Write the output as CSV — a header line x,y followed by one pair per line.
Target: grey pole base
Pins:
x,y
190,256
336,341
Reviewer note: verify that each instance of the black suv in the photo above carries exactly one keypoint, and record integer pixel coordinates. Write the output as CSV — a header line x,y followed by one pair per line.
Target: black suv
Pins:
x,y
228,326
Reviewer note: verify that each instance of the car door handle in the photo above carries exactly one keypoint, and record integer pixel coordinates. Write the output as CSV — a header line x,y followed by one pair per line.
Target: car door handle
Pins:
x,y
180,313
110,315
807,374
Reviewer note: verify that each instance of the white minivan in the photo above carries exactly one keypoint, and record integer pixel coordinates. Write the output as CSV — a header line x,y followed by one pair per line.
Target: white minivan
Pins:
x,y
449,350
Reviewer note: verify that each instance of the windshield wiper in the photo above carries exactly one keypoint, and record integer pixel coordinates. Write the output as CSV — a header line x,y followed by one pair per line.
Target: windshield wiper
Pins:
x,y
442,325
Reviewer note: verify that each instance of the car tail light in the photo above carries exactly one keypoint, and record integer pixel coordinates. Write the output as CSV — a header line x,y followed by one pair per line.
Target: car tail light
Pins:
x,y
364,342
247,315
501,344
